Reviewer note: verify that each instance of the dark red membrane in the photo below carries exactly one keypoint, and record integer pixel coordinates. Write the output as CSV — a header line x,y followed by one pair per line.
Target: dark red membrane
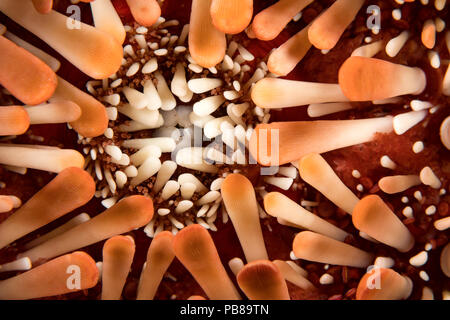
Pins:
x,y
364,158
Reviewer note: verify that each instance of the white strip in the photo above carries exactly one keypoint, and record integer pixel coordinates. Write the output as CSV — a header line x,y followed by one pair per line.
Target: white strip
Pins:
x,y
442,224
322,109
121,179
133,126
208,105
114,151
202,85
208,198
429,178
212,127
149,168
52,160
52,62
179,85
131,171
280,182
368,50
405,121
144,116
136,98
106,19
170,188
143,154
394,45
166,171
187,190
165,144
150,66
183,206
21,264
418,105
190,178
167,99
